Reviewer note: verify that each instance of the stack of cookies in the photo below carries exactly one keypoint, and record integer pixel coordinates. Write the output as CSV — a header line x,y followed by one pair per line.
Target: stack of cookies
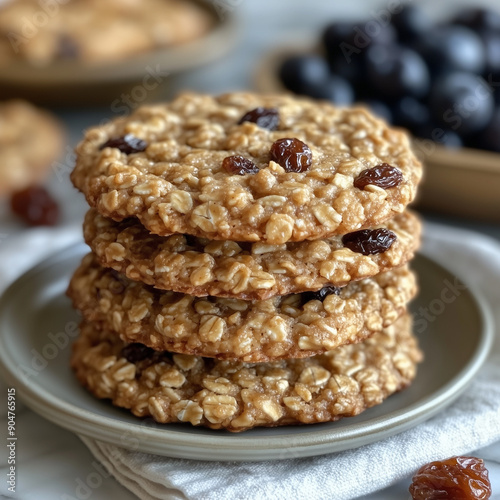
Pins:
x,y
249,261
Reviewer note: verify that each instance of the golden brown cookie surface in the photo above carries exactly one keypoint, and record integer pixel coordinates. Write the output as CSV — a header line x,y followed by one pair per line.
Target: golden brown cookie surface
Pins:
x,y
238,396
292,326
299,176
249,271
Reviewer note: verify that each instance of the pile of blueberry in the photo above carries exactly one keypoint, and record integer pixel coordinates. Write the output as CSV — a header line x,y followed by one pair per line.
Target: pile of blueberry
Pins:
x,y
440,81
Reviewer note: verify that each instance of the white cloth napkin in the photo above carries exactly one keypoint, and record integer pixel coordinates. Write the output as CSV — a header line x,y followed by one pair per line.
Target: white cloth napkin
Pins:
x,y
470,423
21,251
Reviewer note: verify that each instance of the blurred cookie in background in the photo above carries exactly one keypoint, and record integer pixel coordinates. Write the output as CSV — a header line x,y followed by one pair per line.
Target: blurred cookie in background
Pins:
x,y
96,32
87,52
31,139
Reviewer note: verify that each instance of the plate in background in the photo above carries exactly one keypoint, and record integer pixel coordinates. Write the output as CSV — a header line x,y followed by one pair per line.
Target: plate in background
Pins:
x,y
463,182
74,84
35,350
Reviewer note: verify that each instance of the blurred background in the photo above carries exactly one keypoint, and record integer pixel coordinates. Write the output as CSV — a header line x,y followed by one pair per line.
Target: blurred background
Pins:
x,y
429,66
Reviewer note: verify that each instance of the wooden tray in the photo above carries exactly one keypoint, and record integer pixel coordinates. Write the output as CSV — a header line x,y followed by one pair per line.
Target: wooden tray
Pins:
x,y
463,182
75,84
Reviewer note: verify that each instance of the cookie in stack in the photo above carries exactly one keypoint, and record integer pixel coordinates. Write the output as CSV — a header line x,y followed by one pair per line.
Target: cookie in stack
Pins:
x,y
249,261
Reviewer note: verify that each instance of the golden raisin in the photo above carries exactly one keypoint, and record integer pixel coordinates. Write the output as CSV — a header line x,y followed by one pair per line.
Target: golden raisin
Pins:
x,y
457,478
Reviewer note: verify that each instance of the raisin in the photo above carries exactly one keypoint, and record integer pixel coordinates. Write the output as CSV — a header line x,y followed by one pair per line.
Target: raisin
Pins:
x,y
239,165
369,241
136,352
192,241
267,118
67,47
127,144
120,282
166,356
208,364
383,175
293,155
457,478
116,287
320,294
35,206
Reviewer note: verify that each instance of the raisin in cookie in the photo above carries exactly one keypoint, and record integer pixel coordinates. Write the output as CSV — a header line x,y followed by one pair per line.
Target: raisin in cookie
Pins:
x,y
30,141
292,326
246,167
250,271
238,396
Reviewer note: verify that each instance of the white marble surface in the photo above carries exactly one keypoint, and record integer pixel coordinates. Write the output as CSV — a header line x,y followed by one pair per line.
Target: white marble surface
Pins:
x,y
52,462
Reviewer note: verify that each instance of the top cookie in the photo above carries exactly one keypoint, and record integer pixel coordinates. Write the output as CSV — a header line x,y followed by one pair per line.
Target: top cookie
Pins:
x,y
220,168
30,140
95,31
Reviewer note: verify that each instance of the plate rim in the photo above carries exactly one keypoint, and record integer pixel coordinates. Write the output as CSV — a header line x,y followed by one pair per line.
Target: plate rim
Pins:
x,y
189,445
177,58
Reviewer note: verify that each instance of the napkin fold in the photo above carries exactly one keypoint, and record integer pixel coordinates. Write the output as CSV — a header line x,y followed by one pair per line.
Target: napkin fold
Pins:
x,y
472,422
19,252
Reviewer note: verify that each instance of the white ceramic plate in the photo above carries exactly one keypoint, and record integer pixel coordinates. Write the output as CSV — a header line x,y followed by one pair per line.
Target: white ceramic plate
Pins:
x,y
37,325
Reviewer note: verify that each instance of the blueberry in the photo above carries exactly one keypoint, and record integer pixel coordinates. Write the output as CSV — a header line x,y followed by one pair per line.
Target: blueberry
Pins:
x,y
335,89
478,18
452,48
345,37
489,138
396,71
410,113
297,73
411,23
462,102
379,33
352,70
343,57
344,47
335,34
491,40
441,135
379,108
